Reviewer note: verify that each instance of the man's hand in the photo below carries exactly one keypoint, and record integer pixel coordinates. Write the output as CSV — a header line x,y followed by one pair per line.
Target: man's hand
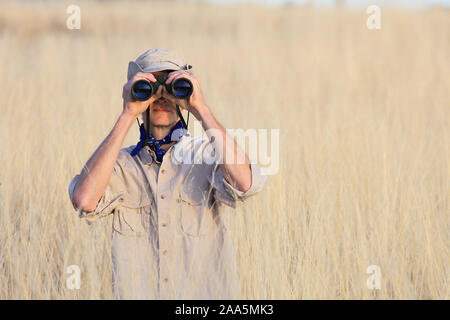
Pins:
x,y
195,103
135,108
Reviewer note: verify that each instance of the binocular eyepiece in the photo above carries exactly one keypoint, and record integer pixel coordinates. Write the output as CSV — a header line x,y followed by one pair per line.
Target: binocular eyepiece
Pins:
x,y
180,88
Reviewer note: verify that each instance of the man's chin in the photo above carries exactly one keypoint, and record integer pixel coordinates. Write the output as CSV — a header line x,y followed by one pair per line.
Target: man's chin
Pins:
x,y
160,121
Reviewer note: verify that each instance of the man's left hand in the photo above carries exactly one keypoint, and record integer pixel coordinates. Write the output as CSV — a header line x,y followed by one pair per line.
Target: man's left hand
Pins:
x,y
195,103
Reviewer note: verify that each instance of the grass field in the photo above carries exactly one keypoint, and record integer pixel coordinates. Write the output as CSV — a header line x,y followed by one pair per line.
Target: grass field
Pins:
x,y
364,120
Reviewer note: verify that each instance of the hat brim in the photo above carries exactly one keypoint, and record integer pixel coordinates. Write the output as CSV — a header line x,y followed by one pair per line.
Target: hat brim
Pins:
x,y
134,68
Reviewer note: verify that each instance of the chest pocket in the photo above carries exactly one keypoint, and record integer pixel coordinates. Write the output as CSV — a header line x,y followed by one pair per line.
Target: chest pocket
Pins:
x,y
133,218
195,217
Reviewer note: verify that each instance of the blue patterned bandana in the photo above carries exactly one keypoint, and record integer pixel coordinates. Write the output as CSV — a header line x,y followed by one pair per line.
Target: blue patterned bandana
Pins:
x,y
158,143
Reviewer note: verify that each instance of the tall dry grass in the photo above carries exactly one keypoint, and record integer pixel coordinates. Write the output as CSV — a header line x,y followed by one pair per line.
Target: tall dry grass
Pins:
x,y
364,141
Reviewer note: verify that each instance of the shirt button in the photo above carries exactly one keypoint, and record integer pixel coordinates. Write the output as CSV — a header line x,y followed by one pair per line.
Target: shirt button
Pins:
x,y
164,252
121,200
163,170
165,279
163,196
164,225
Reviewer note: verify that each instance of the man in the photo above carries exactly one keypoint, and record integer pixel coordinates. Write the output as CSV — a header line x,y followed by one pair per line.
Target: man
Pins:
x,y
170,235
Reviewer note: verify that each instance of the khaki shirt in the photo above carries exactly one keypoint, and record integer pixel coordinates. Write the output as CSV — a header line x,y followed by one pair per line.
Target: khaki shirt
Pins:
x,y
170,229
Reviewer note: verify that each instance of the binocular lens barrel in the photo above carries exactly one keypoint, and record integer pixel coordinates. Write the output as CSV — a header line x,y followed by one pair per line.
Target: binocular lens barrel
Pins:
x,y
142,90
182,88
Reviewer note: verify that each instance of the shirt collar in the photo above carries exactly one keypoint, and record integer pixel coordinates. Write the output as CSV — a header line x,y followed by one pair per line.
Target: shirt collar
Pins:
x,y
145,155
145,152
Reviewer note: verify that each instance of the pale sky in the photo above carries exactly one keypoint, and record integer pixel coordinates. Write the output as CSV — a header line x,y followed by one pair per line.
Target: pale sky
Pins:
x,y
407,3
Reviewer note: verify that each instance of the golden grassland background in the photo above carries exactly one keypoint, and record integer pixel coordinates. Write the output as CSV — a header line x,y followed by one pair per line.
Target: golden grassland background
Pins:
x,y
364,140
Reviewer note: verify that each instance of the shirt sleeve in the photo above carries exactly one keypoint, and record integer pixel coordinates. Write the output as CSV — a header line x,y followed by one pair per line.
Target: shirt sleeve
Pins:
x,y
110,200
227,194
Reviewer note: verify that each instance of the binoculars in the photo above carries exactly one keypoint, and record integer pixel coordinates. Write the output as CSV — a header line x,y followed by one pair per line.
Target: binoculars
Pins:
x,y
180,88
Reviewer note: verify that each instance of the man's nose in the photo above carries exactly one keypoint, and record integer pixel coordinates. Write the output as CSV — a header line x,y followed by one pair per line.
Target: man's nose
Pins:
x,y
159,91
163,90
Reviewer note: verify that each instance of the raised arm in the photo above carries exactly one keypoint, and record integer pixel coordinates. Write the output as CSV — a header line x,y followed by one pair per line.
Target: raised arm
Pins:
x,y
96,173
234,162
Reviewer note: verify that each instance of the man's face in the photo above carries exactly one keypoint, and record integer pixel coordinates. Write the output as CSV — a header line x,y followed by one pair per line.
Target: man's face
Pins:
x,y
162,111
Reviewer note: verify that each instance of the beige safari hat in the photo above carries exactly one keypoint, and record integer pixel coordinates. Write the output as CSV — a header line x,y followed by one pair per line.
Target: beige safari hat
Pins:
x,y
156,60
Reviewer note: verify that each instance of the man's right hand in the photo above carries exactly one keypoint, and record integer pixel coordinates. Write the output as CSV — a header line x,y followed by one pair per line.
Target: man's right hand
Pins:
x,y
133,107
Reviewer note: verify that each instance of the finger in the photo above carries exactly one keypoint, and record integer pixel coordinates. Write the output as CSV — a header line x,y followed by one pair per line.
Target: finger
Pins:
x,y
160,90
184,75
150,76
145,76
172,75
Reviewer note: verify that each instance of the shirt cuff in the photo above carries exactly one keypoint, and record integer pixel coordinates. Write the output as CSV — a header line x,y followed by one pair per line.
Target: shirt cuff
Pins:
x,y
105,205
257,184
